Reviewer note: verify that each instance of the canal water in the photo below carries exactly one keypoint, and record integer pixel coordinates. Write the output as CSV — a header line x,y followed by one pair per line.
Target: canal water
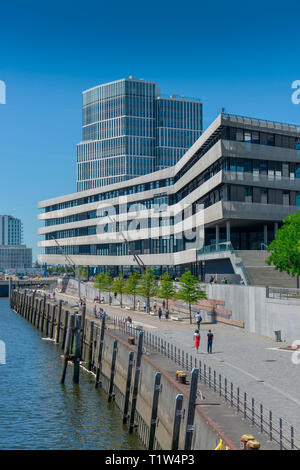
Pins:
x,y
36,412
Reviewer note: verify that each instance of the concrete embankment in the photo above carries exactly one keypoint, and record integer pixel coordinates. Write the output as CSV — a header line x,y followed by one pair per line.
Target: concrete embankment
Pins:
x,y
213,420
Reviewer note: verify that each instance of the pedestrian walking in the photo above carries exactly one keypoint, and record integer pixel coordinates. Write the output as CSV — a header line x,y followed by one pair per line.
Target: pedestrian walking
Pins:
x,y
154,307
145,307
139,305
197,339
210,338
167,314
198,319
159,313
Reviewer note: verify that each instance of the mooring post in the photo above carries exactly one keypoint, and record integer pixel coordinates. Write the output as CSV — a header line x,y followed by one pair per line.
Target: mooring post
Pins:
x,y
35,308
22,303
191,410
90,363
58,322
177,421
47,319
53,321
99,365
77,349
9,287
65,329
128,383
82,329
32,307
67,347
136,381
25,305
112,373
154,410
43,312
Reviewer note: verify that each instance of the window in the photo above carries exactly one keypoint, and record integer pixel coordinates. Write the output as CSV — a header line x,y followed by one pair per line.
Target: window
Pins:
x,y
286,198
264,196
248,194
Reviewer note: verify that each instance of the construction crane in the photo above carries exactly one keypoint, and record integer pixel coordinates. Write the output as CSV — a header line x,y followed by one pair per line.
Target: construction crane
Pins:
x,y
135,256
69,262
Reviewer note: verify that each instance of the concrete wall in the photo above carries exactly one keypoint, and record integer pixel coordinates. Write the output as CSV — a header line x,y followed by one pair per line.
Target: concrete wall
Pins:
x,y
260,314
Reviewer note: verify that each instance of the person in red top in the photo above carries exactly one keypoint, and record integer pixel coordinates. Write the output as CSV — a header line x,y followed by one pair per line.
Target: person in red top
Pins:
x,y
197,339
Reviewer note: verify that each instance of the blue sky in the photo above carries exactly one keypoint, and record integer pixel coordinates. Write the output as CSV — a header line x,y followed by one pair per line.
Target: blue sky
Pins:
x,y
243,56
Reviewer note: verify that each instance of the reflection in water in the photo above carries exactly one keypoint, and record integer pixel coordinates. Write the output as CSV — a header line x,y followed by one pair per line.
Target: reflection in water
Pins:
x,y
36,411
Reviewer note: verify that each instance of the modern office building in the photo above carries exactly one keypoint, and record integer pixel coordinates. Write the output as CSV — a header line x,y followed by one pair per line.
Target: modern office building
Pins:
x,y
13,255
11,230
18,258
129,130
223,200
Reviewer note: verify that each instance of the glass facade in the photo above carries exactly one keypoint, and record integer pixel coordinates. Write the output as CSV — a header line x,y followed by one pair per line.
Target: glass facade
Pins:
x,y
128,131
10,230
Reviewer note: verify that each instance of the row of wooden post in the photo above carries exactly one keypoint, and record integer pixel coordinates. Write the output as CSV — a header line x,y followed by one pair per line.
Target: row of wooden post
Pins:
x,y
36,312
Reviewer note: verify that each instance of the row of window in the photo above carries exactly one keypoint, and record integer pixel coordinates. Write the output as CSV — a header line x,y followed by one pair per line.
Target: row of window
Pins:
x,y
159,245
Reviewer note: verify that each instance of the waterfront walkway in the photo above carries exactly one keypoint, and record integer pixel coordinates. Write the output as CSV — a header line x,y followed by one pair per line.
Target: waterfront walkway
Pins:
x,y
251,362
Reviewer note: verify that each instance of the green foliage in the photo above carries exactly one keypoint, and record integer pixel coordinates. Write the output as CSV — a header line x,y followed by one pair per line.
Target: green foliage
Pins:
x,y
166,288
148,286
285,249
83,272
132,285
190,290
100,282
119,286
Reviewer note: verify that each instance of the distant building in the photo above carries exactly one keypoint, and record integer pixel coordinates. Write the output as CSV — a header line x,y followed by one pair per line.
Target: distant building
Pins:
x,y
15,257
129,130
11,231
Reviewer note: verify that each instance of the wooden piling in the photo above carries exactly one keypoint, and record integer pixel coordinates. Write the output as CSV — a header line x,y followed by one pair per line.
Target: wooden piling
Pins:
x,y
82,330
112,373
177,421
65,329
91,344
67,347
43,313
99,362
77,352
154,410
191,410
58,322
136,381
128,383
52,323
47,319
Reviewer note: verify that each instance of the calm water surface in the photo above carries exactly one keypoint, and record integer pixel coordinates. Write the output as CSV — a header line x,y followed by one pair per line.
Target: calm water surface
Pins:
x,y
36,412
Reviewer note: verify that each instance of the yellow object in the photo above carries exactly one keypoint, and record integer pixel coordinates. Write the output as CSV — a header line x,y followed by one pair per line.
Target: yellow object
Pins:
x,y
220,445
253,444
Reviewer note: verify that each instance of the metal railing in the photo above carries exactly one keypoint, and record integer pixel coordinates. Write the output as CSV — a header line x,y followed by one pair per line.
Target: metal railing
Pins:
x,y
276,428
282,293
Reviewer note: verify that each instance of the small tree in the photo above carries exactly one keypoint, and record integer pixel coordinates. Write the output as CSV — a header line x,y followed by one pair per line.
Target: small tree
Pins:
x,y
108,286
285,249
100,283
83,272
148,286
166,288
190,290
119,286
132,285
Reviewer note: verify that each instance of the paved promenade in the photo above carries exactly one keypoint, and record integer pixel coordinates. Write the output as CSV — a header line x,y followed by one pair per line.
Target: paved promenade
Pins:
x,y
252,362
